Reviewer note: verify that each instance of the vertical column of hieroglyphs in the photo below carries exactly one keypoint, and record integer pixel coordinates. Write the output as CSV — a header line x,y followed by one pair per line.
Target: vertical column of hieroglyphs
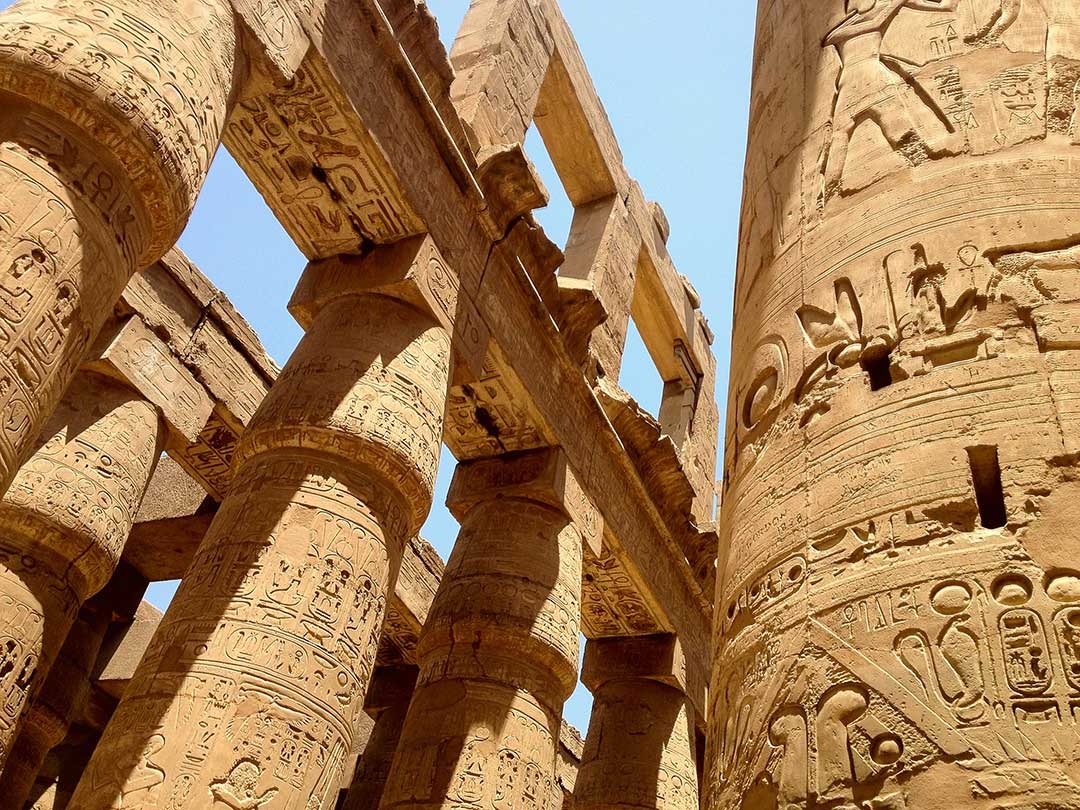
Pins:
x,y
63,525
110,113
498,654
248,692
388,700
898,619
639,752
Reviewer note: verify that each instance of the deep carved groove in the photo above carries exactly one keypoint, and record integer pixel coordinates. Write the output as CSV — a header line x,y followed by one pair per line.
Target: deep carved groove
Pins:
x,y
986,475
878,369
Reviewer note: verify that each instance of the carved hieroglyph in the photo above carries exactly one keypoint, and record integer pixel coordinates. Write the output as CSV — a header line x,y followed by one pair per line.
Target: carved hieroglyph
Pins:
x,y
898,608
498,655
63,525
110,113
248,692
387,702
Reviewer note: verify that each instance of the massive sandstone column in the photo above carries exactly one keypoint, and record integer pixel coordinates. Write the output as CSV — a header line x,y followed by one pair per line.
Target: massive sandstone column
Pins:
x,y
898,615
110,112
63,526
498,654
639,752
247,695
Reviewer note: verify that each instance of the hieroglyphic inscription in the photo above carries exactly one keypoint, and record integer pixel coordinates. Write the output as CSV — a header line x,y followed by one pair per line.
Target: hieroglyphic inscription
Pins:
x,y
66,518
257,673
328,179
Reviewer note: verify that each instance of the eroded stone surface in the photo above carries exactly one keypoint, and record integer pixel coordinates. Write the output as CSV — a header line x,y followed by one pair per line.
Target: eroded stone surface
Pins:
x,y
894,620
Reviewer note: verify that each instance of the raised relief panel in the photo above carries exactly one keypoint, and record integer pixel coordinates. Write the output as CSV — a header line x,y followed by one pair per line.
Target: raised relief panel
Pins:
x,y
306,150
901,413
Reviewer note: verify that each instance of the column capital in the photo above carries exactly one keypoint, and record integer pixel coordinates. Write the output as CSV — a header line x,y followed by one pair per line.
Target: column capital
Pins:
x,y
657,658
543,476
412,271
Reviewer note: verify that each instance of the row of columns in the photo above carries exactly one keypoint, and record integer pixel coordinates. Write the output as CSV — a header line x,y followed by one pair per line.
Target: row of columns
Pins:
x,y
249,693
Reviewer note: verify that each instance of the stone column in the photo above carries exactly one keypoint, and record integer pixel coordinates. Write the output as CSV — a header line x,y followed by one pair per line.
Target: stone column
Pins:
x,y
64,692
387,702
898,613
498,655
63,525
639,752
110,113
249,690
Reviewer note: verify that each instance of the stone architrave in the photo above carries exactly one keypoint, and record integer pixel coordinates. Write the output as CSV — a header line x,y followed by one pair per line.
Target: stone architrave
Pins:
x,y
110,113
898,609
63,525
387,703
249,690
639,752
498,655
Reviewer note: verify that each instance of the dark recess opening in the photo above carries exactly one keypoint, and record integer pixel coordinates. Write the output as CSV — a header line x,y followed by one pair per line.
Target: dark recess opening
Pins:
x,y
986,475
878,369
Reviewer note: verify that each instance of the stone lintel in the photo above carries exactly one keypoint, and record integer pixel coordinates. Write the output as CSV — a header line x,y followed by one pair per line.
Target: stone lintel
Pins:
x,y
412,271
656,658
123,649
536,475
390,686
138,357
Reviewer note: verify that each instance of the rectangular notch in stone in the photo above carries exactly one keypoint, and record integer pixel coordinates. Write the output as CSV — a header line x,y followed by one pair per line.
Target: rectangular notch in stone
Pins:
x,y
986,476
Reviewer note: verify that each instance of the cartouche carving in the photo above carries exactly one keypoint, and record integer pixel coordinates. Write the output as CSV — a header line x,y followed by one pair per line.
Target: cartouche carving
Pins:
x,y
901,443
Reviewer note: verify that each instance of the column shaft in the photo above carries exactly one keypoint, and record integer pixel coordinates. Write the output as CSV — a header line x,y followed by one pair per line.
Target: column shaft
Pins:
x,y
109,116
899,601
62,695
498,655
248,692
63,525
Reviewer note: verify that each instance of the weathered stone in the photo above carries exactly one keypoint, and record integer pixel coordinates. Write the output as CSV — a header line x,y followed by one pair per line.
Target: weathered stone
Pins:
x,y
498,655
275,628
65,520
893,628
100,165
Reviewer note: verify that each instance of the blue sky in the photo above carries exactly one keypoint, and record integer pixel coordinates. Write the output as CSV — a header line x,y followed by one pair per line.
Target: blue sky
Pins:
x,y
675,81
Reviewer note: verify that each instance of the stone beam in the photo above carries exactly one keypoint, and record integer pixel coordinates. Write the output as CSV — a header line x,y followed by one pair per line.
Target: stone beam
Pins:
x,y
518,64
359,53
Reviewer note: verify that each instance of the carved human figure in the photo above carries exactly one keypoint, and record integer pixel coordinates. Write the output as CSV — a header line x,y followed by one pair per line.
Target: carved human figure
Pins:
x,y
109,116
65,521
922,642
483,725
325,493
868,89
239,789
1000,22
